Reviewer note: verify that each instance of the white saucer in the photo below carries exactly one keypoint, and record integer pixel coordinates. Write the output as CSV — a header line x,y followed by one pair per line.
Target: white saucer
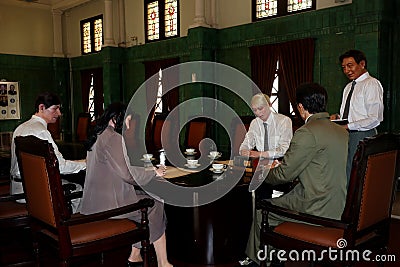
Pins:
x,y
147,160
215,171
192,166
190,153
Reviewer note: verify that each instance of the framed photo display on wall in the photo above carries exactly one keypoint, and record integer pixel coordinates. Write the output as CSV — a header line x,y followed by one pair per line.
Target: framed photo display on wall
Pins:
x,y
9,100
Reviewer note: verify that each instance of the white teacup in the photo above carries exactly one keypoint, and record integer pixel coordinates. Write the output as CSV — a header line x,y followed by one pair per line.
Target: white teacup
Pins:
x,y
192,162
218,167
190,150
147,156
214,154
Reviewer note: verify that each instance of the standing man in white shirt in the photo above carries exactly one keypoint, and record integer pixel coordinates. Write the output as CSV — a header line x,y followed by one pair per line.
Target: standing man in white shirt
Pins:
x,y
362,102
270,133
47,110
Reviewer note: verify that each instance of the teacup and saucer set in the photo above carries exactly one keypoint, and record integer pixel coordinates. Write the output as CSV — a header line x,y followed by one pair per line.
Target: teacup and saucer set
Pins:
x,y
218,168
192,164
190,151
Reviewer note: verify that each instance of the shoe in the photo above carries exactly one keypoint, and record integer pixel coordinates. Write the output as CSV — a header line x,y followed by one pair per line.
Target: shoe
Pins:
x,y
245,262
134,264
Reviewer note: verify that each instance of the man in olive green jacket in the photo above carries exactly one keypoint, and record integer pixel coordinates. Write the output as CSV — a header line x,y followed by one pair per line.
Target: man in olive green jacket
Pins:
x,y
317,158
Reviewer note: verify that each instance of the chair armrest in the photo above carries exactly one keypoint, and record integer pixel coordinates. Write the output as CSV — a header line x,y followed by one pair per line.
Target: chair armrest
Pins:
x,y
266,205
141,204
14,197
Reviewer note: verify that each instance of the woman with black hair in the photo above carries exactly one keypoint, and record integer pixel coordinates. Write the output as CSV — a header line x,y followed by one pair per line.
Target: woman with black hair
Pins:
x,y
110,181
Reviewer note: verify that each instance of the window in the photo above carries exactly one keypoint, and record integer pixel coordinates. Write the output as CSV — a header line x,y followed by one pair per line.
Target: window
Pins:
x,y
91,99
279,99
92,34
265,9
161,19
92,92
159,104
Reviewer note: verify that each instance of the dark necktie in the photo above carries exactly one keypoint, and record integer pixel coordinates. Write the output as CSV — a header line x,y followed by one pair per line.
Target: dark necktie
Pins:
x,y
266,146
347,105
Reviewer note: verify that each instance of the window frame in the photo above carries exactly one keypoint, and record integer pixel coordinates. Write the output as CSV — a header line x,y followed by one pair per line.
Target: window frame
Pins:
x,y
161,5
281,10
92,40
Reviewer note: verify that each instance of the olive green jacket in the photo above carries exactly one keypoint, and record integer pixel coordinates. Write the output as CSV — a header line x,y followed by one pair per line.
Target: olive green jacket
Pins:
x,y
317,157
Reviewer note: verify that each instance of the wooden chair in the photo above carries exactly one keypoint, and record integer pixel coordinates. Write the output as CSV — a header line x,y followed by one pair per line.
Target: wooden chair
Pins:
x,y
364,223
157,127
196,130
55,129
161,135
51,222
16,243
239,132
82,127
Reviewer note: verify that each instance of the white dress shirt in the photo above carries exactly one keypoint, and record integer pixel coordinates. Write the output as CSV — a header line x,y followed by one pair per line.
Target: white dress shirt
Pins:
x,y
366,106
37,126
279,135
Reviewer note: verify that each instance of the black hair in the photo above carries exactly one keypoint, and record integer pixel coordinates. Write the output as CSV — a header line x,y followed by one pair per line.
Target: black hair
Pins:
x,y
48,99
116,112
356,54
312,96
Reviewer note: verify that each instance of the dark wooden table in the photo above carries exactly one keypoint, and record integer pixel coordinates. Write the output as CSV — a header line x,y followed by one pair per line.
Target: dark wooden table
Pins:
x,y
211,234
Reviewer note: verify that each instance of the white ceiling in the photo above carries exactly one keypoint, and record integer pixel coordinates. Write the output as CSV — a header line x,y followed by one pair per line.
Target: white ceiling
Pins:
x,y
45,4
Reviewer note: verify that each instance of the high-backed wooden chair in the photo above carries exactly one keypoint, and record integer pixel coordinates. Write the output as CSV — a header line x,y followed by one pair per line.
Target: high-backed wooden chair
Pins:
x,y
158,124
131,137
82,127
364,223
196,130
239,132
160,134
55,129
51,221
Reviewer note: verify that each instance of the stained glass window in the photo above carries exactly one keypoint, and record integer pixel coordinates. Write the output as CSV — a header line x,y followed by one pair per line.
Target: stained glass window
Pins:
x,y
153,21
162,19
92,34
87,45
171,18
98,34
296,5
264,9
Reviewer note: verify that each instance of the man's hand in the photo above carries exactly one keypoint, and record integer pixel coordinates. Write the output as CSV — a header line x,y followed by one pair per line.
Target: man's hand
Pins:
x,y
160,171
335,116
275,163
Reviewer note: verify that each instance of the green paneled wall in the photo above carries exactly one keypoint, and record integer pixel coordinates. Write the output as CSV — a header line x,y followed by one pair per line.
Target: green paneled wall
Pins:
x,y
35,75
369,25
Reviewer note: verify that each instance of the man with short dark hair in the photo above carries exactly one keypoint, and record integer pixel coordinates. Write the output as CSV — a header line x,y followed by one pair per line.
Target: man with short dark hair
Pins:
x,y
47,110
362,102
